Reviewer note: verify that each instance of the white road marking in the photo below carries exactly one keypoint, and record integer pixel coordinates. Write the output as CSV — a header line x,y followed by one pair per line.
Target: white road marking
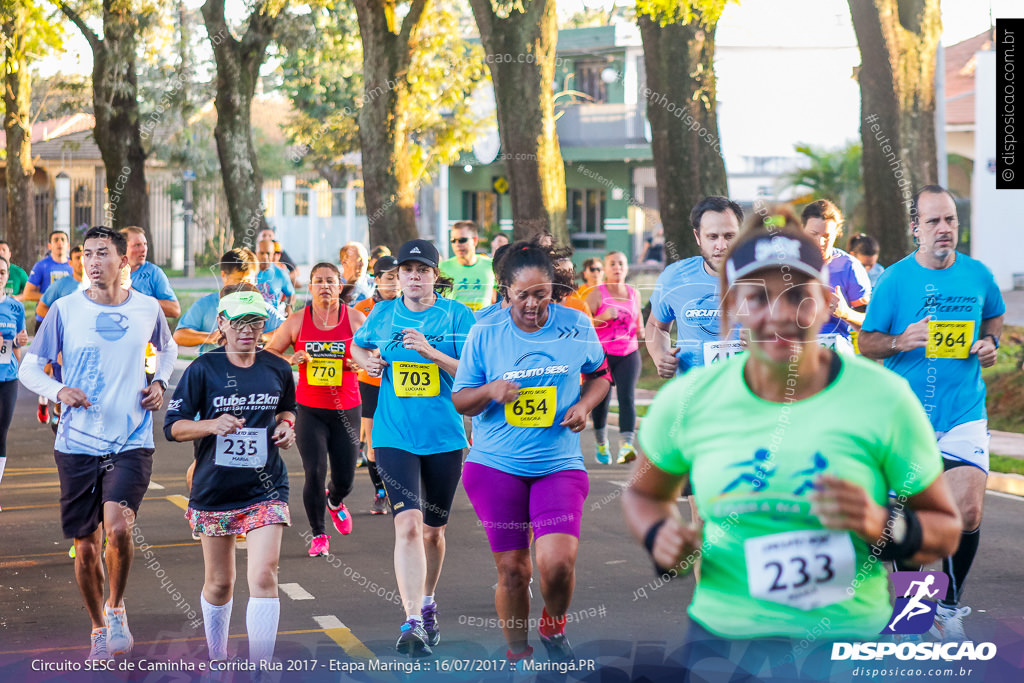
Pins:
x,y
155,486
329,621
295,591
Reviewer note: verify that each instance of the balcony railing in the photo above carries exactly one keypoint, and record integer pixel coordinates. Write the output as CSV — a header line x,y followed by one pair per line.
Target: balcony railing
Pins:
x,y
600,125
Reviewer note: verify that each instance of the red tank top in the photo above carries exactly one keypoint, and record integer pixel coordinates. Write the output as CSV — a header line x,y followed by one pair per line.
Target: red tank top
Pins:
x,y
324,381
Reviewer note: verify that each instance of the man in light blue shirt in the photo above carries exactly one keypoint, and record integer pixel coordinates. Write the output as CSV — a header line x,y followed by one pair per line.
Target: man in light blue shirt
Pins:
x,y
935,318
146,276
272,280
686,293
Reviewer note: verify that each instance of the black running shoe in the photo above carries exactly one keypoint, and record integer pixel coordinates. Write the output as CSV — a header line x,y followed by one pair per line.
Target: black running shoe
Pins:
x,y
413,641
558,648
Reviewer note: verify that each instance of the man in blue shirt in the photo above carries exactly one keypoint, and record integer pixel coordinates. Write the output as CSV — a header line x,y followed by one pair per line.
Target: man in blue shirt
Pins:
x,y
935,318
687,293
198,327
851,287
48,270
273,281
147,277
64,286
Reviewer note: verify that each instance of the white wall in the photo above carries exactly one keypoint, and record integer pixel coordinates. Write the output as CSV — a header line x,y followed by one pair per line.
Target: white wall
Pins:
x,y
995,214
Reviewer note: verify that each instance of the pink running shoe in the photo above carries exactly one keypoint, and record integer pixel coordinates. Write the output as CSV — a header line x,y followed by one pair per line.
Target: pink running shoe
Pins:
x,y
320,546
341,517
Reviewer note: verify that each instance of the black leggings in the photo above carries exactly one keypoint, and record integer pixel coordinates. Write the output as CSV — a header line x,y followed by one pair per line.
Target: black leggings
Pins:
x,y
625,371
322,433
8,397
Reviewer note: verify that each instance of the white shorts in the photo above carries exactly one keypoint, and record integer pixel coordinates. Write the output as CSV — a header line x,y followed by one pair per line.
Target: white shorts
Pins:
x,y
966,444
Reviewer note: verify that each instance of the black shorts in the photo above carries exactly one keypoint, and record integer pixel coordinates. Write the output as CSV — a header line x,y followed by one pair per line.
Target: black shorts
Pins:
x,y
420,482
369,393
89,481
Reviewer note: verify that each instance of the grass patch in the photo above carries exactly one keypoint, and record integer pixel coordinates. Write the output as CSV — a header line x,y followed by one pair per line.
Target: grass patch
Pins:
x,y
1005,383
1006,465
640,410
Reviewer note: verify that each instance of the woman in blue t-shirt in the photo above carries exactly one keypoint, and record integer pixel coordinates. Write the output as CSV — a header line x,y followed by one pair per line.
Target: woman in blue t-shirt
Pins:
x,y
12,328
413,343
520,379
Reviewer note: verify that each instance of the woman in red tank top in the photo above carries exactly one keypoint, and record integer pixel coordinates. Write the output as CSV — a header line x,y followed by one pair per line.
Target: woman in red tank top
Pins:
x,y
327,419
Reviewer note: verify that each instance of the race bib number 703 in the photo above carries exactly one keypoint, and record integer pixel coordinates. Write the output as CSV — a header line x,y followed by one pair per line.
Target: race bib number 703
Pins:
x,y
414,380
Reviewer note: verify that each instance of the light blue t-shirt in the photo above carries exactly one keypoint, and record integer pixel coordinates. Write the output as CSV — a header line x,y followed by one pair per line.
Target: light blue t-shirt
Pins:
x,y
417,424
951,389
488,311
60,289
104,354
201,316
152,281
12,321
876,270
687,294
47,272
273,283
554,356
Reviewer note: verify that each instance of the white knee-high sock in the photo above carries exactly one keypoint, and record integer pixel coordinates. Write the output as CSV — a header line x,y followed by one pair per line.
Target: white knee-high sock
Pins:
x,y
261,617
217,620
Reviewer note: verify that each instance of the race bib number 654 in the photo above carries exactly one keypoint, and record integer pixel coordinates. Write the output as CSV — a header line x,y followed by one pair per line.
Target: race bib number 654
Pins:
x,y
802,569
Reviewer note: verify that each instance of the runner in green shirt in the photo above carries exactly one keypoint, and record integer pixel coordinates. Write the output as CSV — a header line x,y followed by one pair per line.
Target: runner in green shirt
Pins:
x,y
18,277
792,458
474,279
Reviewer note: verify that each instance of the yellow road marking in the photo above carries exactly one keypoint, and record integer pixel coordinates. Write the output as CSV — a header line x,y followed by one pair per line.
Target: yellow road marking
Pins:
x,y
349,643
180,501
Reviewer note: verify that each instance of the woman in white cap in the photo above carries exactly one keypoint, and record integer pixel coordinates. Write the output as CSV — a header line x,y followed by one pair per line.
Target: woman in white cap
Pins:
x,y
413,343
245,402
792,458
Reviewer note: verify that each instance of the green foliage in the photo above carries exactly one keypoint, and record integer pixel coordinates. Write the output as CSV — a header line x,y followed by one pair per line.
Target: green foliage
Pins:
x,y
831,174
322,75
707,12
40,34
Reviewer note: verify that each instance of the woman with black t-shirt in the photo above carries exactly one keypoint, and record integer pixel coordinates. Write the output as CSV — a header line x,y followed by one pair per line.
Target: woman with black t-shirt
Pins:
x,y
245,402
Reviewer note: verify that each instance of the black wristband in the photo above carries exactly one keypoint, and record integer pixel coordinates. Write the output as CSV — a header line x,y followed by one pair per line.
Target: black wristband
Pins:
x,y
649,537
889,549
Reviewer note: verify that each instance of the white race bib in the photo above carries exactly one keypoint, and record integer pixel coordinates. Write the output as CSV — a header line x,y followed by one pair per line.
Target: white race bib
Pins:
x,y
245,448
6,351
801,569
721,350
836,342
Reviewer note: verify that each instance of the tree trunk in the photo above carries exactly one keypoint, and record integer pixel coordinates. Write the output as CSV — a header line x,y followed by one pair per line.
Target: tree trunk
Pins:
x,y
681,92
238,67
116,108
521,55
22,234
897,40
389,185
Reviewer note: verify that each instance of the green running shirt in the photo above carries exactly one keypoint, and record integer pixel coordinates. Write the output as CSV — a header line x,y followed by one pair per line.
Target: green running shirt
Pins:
x,y
473,284
769,568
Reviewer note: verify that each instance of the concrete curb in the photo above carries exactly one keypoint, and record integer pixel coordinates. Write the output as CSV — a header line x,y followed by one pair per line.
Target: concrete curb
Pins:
x,y
1012,484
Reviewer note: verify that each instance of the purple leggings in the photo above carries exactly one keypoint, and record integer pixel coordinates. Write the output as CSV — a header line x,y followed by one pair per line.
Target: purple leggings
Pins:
x,y
509,505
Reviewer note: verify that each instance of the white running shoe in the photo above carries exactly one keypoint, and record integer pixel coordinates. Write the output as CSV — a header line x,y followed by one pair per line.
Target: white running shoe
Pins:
x,y
949,624
98,649
119,638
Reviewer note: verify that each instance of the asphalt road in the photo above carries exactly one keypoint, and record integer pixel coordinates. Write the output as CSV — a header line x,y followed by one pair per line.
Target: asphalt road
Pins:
x,y
341,613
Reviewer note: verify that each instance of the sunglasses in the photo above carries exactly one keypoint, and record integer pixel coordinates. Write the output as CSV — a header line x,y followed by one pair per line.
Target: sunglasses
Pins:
x,y
460,240
243,323
594,269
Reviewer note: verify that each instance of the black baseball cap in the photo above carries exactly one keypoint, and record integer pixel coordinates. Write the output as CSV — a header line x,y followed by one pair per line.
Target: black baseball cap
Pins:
x,y
418,250
776,251
384,264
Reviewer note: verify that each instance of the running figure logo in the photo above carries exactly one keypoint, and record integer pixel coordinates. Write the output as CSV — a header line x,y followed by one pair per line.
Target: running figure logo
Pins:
x,y
917,594
763,468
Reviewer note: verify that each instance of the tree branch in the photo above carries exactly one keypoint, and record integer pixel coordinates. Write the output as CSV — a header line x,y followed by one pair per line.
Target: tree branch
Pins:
x,y
94,40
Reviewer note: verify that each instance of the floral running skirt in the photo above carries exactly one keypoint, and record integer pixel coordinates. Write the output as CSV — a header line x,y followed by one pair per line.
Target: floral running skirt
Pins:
x,y
234,522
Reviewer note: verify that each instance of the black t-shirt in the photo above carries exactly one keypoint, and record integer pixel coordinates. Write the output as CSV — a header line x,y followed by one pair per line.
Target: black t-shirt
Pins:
x,y
229,473
287,261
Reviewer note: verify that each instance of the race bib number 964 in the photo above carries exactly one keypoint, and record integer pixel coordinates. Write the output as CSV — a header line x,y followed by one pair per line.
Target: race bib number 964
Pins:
x,y
245,448
416,380
801,569
949,338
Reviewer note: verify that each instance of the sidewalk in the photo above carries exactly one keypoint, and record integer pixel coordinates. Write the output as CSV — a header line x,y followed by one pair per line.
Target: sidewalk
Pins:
x,y
1009,444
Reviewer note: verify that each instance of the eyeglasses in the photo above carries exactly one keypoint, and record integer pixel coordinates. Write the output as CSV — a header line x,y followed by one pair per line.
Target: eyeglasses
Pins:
x,y
242,324
460,240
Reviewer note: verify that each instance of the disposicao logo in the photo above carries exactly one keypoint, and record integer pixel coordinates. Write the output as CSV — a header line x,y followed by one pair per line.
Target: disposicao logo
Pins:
x,y
917,595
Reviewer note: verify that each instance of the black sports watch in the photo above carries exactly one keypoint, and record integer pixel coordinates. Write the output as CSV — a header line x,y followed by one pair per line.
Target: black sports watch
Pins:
x,y
163,384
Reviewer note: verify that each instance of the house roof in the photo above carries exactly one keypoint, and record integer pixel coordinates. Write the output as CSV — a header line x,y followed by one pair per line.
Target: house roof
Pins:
x,y
960,62
67,135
